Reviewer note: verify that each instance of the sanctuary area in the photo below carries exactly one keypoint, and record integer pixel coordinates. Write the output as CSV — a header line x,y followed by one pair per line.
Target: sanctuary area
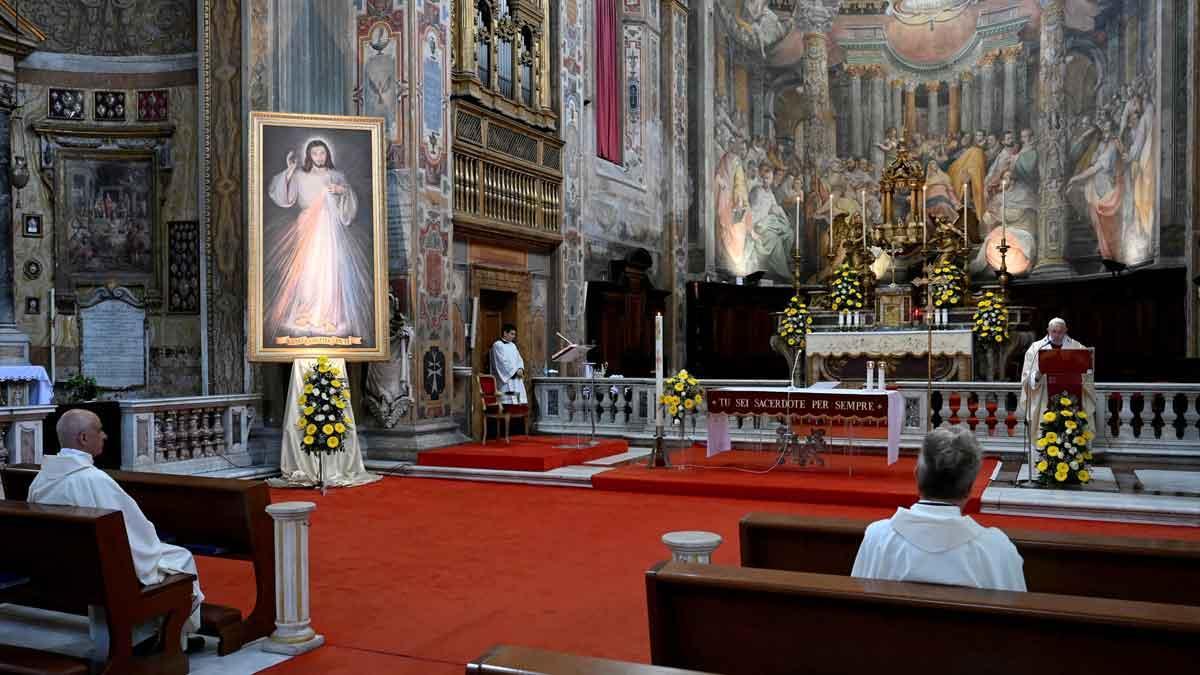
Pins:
x,y
749,337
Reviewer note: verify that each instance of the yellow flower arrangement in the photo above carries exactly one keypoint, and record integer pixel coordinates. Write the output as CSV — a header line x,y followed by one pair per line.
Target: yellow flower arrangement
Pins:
x,y
324,419
1063,443
991,319
946,284
682,394
795,324
846,288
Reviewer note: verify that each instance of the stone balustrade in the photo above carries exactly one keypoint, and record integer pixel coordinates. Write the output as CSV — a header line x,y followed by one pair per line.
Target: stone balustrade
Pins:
x,y
21,433
187,435
1137,418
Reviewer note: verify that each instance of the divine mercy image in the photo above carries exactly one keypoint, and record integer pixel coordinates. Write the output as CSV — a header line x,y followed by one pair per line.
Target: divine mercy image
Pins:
x,y
319,237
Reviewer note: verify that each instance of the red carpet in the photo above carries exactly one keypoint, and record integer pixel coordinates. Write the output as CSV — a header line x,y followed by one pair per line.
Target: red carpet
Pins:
x,y
410,575
858,480
525,453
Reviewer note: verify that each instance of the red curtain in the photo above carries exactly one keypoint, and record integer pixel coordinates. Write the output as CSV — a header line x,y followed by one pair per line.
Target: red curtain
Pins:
x,y
608,93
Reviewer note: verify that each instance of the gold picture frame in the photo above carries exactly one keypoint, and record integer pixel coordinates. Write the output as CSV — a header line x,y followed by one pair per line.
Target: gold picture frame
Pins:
x,y
318,283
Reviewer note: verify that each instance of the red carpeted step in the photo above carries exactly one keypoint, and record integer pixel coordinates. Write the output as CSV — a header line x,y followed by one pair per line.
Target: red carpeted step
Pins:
x,y
856,480
523,453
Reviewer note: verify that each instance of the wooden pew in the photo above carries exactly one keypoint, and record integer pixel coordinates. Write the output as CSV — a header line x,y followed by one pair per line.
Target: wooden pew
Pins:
x,y
217,517
516,660
1125,568
61,555
745,621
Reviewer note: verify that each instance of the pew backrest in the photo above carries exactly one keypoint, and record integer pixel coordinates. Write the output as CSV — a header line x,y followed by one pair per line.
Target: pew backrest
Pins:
x,y
518,660
1126,568
738,620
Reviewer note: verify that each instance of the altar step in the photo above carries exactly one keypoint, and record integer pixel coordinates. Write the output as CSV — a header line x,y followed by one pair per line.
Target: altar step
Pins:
x,y
1100,500
567,476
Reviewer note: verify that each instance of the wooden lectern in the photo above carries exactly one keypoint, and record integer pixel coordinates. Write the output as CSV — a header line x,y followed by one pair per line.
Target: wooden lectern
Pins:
x,y
1064,370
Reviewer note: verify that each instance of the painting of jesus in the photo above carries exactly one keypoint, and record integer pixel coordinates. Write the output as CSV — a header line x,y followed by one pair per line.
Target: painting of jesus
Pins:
x,y
318,242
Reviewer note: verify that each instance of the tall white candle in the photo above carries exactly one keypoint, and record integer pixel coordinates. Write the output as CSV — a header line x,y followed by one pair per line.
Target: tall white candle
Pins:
x,y
870,374
1003,212
864,215
831,224
966,202
879,379
658,369
924,204
797,224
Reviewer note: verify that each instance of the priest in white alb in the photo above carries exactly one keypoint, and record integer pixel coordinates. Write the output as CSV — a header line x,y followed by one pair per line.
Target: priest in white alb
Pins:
x,y
1033,383
71,478
509,368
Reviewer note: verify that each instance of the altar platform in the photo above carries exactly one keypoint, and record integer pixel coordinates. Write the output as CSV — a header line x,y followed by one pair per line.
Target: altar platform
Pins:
x,y
852,480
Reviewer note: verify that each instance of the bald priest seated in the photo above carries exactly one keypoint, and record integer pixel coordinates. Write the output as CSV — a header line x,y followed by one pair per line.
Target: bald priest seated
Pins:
x,y
932,541
70,478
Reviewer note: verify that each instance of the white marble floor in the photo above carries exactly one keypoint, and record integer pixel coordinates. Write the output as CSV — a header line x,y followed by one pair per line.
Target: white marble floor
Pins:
x,y
68,634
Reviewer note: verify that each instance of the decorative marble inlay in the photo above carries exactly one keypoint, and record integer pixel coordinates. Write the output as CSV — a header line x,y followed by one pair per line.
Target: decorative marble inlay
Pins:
x,y
65,104
183,267
153,105
109,106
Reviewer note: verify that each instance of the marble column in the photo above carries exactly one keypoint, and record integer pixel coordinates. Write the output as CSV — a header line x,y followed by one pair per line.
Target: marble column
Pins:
x,y
856,111
877,119
1010,57
968,101
935,114
952,120
293,627
910,108
987,93
897,103
814,20
1052,143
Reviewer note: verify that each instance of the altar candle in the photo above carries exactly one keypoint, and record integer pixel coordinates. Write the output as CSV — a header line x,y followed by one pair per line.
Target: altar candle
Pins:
x,y
797,225
870,374
879,379
658,370
1003,210
924,204
966,202
864,215
831,224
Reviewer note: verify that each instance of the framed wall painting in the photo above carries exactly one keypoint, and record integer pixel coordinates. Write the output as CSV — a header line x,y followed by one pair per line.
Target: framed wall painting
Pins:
x,y
318,238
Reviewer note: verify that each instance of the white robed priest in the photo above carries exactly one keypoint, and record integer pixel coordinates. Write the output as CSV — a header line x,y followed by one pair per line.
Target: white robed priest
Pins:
x,y
71,478
1033,384
509,368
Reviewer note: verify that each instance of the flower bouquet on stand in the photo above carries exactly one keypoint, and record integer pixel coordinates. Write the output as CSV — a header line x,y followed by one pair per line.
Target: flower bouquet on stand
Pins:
x,y
1064,447
681,400
323,411
846,295
946,288
991,320
794,326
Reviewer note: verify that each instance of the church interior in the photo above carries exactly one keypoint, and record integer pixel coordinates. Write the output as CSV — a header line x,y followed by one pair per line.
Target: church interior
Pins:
x,y
620,336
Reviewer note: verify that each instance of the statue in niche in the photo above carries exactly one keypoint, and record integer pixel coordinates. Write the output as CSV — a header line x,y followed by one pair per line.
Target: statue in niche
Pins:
x,y
389,389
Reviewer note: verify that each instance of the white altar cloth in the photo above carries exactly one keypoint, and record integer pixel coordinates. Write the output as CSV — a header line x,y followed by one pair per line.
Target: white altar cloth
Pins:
x,y
767,400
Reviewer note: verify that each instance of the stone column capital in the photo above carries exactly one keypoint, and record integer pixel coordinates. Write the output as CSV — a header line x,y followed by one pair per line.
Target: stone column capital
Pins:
x,y
989,60
966,76
815,16
1012,54
933,86
856,71
910,85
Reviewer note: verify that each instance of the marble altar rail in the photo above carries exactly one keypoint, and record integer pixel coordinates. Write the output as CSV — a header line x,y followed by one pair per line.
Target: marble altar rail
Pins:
x,y
187,435
1140,418
21,433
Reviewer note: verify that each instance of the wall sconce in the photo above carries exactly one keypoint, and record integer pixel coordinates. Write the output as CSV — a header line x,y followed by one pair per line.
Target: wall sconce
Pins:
x,y
18,175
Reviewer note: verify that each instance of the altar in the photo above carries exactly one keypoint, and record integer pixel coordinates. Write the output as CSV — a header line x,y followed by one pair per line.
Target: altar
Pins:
x,y
843,355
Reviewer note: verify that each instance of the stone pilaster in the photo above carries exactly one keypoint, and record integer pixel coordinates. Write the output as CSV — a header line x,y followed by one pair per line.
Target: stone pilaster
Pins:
x,y
856,111
1011,56
987,93
814,20
935,113
968,101
1052,143
14,344
674,97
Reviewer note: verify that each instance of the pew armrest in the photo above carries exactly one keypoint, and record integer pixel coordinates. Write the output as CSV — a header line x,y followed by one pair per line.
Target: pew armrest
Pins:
x,y
157,599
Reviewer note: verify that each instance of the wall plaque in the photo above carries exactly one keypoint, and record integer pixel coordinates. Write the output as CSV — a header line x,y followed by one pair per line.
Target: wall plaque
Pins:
x,y
113,338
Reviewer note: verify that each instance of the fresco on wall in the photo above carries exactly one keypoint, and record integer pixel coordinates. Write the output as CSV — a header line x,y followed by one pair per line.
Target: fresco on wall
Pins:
x,y
815,96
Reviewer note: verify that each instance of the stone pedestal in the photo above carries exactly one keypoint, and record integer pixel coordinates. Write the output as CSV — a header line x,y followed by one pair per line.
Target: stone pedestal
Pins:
x,y
293,630
692,545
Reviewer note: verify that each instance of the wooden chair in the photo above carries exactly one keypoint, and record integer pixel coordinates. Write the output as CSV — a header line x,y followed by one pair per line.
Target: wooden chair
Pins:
x,y
493,407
